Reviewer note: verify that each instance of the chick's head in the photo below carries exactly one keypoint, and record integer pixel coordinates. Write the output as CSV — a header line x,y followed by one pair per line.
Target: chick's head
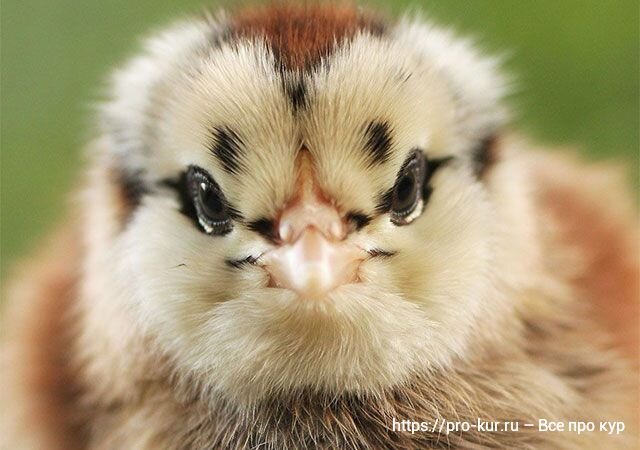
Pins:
x,y
298,199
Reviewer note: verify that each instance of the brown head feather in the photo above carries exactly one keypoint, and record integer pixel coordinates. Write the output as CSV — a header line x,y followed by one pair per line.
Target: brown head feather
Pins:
x,y
301,35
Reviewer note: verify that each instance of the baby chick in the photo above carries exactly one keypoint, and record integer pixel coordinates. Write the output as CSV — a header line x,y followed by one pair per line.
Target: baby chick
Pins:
x,y
302,225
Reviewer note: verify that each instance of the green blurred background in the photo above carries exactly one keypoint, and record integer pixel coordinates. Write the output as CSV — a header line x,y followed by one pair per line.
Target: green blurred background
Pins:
x,y
576,61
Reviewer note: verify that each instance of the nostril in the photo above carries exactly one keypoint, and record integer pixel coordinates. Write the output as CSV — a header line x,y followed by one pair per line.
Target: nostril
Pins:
x,y
336,230
285,232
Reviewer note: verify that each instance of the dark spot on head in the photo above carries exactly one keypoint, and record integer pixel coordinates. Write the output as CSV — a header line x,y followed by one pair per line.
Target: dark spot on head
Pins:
x,y
296,92
226,145
484,156
378,141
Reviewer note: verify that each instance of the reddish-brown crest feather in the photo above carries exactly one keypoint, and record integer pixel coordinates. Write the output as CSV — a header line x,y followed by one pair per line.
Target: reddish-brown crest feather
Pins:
x,y
300,35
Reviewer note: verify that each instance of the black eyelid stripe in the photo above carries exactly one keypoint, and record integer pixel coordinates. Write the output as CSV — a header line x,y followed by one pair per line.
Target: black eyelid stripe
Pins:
x,y
381,253
384,202
263,226
359,219
181,186
434,164
233,211
240,263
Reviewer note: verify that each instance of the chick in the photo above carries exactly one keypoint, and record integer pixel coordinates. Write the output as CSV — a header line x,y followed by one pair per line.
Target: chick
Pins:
x,y
304,224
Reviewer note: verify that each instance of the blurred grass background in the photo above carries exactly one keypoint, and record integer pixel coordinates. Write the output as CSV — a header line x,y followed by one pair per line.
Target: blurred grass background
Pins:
x,y
576,61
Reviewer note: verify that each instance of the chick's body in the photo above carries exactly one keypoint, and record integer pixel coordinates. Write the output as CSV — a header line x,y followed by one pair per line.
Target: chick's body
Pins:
x,y
304,224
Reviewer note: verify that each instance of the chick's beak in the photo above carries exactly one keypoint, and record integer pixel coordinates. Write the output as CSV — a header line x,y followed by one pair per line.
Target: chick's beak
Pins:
x,y
313,257
313,265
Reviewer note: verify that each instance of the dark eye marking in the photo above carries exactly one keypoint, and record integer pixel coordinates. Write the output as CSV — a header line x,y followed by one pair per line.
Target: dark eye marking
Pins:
x,y
130,189
263,226
484,156
180,185
358,219
133,187
378,141
226,145
384,201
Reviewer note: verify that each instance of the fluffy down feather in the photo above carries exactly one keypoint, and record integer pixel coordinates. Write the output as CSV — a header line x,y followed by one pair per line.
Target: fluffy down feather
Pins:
x,y
472,314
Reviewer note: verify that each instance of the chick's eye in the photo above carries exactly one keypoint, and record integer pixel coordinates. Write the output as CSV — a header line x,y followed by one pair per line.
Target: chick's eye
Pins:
x,y
209,202
406,198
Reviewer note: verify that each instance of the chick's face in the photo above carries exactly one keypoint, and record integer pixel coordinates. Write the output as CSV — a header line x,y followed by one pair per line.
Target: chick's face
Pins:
x,y
318,227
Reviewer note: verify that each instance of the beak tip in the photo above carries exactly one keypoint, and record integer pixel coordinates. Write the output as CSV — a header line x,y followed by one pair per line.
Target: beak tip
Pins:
x,y
313,283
